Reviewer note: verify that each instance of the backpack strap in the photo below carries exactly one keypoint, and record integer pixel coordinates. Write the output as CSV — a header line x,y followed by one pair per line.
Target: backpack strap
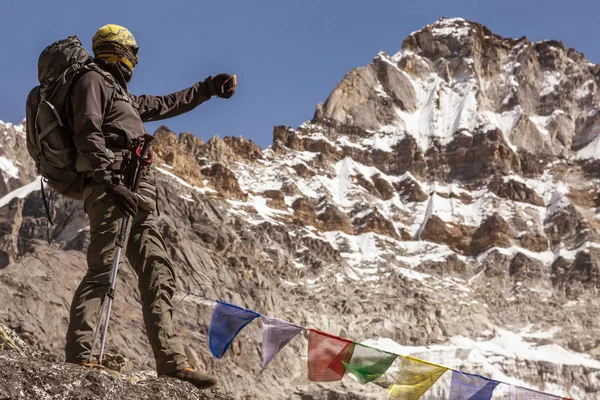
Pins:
x,y
46,131
58,118
58,122
118,91
110,79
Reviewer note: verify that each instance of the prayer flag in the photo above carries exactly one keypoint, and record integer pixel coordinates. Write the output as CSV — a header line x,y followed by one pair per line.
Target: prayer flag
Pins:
x,y
367,364
276,334
471,387
226,322
416,377
521,393
327,355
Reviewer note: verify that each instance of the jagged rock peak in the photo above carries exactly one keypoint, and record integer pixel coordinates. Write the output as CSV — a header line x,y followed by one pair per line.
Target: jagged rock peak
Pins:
x,y
228,149
459,28
201,164
455,78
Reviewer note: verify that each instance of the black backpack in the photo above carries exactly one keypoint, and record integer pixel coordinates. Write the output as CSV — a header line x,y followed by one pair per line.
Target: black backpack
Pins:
x,y
49,131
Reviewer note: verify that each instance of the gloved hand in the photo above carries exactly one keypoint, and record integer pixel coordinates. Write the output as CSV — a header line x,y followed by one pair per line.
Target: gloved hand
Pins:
x,y
123,198
218,82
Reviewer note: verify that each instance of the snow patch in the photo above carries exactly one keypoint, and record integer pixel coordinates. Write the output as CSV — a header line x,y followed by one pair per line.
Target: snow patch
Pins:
x,y
318,136
505,122
21,192
346,142
444,109
545,257
551,81
456,27
187,197
356,249
585,89
380,91
7,166
184,183
591,151
382,141
561,251
264,213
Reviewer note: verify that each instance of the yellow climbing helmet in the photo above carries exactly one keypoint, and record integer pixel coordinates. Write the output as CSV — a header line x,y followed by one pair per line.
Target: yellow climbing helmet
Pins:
x,y
114,43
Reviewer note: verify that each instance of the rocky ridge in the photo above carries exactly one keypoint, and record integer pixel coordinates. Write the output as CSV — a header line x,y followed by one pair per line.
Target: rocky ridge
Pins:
x,y
29,374
443,198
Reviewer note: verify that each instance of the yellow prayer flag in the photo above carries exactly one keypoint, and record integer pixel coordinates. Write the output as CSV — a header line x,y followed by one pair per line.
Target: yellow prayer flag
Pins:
x,y
416,377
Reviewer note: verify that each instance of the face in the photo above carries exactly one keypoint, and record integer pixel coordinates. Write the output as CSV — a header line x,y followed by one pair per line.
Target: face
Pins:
x,y
134,51
128,61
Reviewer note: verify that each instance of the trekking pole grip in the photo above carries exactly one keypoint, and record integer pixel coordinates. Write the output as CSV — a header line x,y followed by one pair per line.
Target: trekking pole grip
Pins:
x,y
145,147
144,160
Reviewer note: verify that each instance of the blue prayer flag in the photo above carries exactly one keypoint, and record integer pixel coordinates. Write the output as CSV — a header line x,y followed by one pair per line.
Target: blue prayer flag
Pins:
x,y
471,387
226,322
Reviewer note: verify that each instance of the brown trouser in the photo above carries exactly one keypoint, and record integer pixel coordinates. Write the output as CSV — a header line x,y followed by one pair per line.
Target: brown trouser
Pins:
x,y
146,251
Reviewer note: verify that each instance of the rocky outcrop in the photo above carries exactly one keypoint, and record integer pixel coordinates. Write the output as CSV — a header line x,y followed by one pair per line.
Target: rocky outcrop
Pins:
x,y
224,181
450,266
567,226
583,272
383,187
286,137
178,155
9,228
523,267
377,223
365,183
367,97
244,149
332,219
482,155
515,191
410,190
304,211
276,199
303,171
457,237
494,232
16,166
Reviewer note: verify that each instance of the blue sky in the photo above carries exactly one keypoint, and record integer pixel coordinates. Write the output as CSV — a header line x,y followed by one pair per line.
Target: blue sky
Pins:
x,y
288,54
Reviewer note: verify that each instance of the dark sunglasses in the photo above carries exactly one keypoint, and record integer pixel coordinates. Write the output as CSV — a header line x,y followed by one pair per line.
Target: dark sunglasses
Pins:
x,y
134,50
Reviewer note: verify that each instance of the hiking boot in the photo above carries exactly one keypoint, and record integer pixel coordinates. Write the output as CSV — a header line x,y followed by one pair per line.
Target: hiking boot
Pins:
x,y
194,377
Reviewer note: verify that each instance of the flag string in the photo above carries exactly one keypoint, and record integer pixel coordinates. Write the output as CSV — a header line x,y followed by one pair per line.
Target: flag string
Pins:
x,y
432,366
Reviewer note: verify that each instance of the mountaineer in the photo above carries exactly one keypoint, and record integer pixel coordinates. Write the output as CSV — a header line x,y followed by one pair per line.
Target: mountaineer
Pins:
x,y
106,118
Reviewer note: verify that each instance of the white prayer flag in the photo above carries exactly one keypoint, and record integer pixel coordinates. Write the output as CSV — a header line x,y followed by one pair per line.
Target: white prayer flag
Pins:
x,y
276,334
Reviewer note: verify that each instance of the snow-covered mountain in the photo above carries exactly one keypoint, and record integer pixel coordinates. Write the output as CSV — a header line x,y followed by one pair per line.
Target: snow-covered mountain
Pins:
x,y
442,203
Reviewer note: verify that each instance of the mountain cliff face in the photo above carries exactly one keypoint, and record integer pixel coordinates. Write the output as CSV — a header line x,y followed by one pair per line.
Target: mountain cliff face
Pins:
x,y
441,203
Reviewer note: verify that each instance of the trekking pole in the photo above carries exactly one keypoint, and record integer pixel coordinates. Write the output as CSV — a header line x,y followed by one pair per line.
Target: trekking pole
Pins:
x,y
143,160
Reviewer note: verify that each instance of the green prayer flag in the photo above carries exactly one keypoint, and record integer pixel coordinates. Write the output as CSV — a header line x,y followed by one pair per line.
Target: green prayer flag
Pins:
x,y
367,363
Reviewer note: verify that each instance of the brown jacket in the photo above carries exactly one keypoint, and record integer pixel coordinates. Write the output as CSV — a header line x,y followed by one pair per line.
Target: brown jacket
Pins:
x,y
106,116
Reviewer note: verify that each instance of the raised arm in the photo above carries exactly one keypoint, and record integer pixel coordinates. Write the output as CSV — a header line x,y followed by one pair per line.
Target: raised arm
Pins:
x,y
155,108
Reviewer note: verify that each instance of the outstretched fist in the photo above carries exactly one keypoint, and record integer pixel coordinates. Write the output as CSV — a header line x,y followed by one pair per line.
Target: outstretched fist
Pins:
x,y
218,82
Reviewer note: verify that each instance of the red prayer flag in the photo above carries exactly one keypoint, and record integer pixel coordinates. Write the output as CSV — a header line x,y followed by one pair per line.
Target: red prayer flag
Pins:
x,y
327,355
